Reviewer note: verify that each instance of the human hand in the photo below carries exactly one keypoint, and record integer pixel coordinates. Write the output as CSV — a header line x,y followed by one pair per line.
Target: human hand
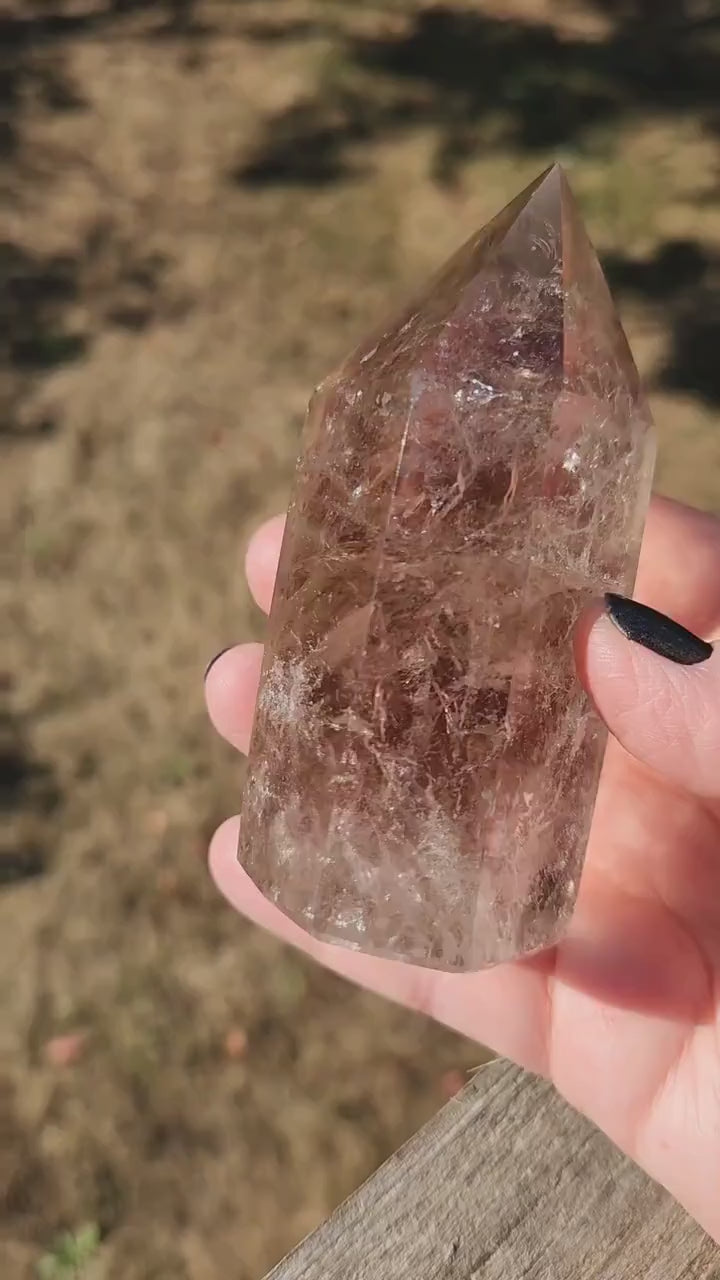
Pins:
x,y
623,1015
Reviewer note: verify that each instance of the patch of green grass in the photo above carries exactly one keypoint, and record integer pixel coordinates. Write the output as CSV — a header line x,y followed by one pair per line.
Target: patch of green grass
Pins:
x,y
40,545
176,770
288,983
621,196
70,1255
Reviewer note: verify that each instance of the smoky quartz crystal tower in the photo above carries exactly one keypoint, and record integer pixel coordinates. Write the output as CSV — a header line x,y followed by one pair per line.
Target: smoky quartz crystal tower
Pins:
x,y
424,762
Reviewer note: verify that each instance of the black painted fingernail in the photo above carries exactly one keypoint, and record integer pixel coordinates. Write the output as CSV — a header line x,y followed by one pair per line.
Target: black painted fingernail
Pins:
x,y
212,661
655,631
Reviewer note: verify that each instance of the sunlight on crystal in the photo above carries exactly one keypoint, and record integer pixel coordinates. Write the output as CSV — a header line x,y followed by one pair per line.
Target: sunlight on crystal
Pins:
x,y
424,763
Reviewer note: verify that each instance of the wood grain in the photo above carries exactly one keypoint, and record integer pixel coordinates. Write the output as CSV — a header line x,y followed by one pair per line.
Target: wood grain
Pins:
x,y
507,1182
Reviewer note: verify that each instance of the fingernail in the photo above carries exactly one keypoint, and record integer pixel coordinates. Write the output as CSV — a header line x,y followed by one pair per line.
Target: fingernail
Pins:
x,y
655,631
212,661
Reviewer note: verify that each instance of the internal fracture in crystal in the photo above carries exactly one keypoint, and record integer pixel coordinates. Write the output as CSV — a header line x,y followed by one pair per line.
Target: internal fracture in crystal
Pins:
x,y
424,763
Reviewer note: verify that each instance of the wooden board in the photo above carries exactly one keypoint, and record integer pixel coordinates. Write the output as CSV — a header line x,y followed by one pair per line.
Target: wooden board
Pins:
x,y
507,1182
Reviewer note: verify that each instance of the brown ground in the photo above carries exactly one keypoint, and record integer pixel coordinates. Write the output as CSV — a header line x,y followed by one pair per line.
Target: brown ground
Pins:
x,y
208,202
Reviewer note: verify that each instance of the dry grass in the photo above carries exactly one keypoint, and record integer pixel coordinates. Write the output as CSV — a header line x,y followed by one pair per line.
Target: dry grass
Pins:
x,y
208,203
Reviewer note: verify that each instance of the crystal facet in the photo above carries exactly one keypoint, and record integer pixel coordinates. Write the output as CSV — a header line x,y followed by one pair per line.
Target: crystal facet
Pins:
x,y
424,763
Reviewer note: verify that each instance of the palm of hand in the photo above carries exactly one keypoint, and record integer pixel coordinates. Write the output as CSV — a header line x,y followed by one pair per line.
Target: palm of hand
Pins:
x,y
633,1023
624,1015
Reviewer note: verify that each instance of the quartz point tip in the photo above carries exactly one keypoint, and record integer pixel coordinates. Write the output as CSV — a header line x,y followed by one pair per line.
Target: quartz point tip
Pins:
x,y
424,763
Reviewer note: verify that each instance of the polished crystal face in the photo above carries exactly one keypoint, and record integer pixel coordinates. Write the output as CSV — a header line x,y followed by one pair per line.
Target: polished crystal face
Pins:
x,y
424,763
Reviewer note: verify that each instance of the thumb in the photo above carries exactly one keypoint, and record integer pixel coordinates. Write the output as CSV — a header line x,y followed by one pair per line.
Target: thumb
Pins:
x,y
657,687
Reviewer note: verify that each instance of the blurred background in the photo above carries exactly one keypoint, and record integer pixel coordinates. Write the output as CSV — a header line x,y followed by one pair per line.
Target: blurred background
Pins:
x,y
204,206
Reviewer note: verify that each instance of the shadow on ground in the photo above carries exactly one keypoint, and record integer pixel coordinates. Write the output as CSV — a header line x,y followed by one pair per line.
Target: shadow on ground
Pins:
x,y
480,82
684,279
120,286
34,39
36,291
505,84
488,82
29,795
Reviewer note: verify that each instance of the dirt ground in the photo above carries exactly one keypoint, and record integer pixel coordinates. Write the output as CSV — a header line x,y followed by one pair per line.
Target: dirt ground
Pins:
x,y
204,205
